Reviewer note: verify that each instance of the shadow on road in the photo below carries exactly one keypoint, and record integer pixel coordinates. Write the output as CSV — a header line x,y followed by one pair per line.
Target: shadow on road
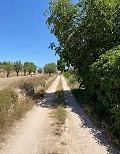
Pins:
x,y
46,102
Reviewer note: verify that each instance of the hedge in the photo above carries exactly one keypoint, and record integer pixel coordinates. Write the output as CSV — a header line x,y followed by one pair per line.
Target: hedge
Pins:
x,y
103,85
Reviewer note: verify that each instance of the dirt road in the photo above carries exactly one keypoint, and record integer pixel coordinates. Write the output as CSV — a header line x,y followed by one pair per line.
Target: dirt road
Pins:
x,y
34,133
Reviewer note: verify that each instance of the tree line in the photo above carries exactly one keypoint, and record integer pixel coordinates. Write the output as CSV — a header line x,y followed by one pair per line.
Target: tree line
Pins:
x,y
29,67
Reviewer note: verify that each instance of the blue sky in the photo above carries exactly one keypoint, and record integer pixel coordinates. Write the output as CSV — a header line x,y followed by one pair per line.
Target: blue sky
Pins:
x,y
23,33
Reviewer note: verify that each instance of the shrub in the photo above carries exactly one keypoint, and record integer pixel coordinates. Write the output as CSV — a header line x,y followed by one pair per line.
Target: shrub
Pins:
x,y
67,74
72,81
30,85
8,97
103,86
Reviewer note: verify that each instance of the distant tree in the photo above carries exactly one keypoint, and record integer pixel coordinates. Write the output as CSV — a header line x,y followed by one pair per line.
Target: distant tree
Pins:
x,y
8,67
61,65
1,64
30,67
24,70
40,70
5,62
34,67
50,68
17,67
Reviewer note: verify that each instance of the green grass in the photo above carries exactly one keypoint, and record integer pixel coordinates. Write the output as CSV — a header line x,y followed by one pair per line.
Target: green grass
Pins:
x,y
60,115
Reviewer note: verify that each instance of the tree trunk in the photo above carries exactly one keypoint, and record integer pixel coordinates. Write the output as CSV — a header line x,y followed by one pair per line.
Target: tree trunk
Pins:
x,y
8,74
17,73
24,73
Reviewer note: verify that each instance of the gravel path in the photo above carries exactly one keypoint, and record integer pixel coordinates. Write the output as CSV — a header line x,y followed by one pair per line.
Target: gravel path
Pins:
x,y
29,135
81,135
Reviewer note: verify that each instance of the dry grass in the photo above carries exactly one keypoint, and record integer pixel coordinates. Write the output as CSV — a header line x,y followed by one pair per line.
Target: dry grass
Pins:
x,y
59,112
23,107
11,109
12,74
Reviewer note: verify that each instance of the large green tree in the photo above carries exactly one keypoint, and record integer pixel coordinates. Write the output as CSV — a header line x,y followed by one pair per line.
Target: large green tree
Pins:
x,y
84,30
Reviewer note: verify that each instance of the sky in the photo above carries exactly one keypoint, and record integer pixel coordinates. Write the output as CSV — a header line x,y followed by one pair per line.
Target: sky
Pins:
x,y
23,33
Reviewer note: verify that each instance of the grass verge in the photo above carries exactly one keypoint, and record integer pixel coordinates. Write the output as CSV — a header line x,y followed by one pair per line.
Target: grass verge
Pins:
x,y
59,112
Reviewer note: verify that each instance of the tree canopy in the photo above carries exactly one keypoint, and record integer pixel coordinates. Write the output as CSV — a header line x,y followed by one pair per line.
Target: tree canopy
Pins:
x,y
30,67
84,30
17,66
8,66
50,68
61,65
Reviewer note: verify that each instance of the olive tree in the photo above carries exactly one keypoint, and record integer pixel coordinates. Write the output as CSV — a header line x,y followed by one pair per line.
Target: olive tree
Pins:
x,y
50,68
30,67
8,67
17,67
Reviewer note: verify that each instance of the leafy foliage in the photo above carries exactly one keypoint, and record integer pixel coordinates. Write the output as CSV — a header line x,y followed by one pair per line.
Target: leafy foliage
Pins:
x,y
103,86
30,67
50,68
84,30
61,65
